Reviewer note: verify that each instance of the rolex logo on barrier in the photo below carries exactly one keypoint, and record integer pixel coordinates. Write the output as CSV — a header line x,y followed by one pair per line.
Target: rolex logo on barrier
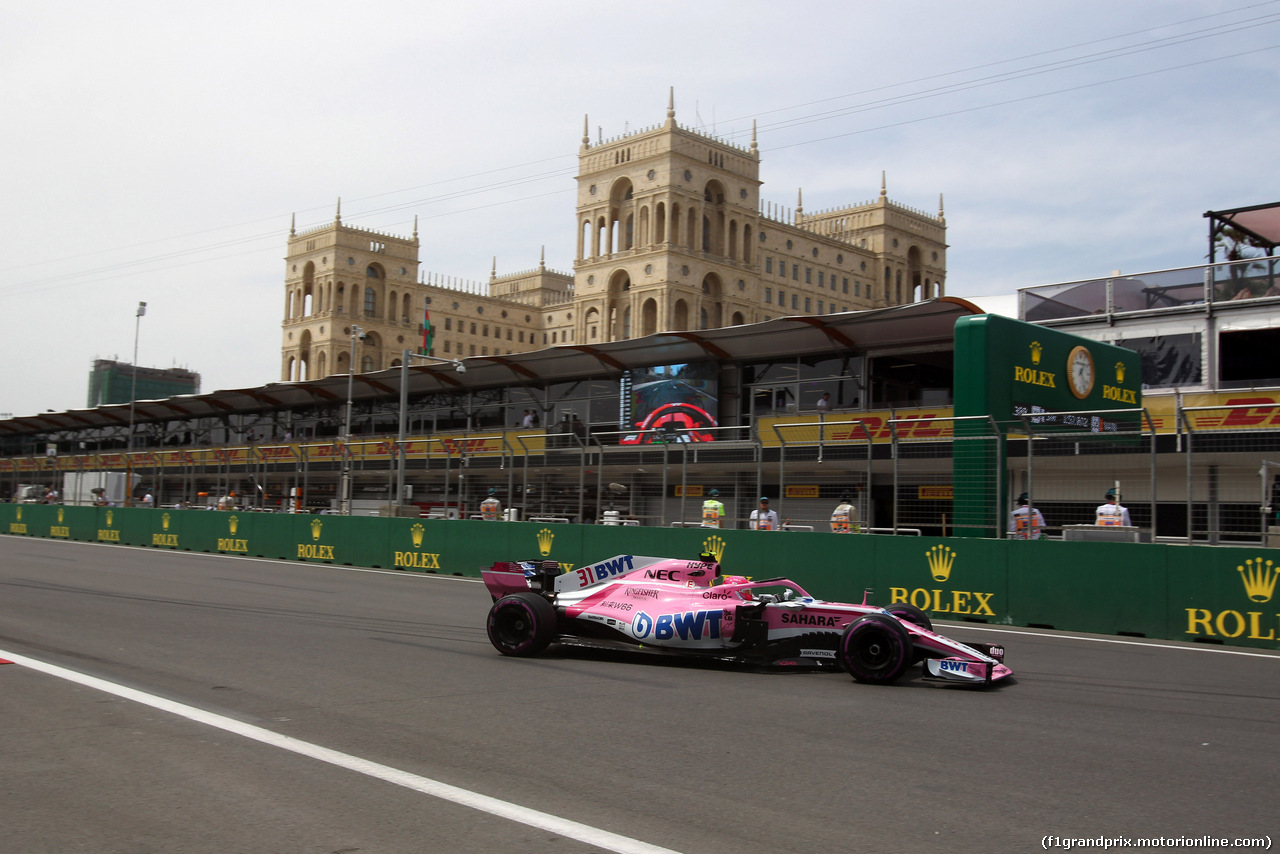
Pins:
x,y
315,551
715,546
1259,579
19,512
231,543
417,559
941,559
545,538
164,539
109,534
60,529
1036,351
1119,372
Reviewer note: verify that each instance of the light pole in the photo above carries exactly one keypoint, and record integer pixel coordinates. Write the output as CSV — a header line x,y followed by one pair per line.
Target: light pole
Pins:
x,y
133,395
133,389
345,508
406,357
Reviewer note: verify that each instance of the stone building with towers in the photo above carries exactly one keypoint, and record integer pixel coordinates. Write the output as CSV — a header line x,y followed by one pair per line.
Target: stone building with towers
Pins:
x,y
672,236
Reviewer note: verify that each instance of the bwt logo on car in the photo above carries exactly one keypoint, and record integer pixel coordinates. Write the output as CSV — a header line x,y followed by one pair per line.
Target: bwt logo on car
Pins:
x,y
688,626
956,666
607,569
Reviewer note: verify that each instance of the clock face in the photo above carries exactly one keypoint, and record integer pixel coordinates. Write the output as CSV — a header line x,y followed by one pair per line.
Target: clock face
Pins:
x,y
1080,372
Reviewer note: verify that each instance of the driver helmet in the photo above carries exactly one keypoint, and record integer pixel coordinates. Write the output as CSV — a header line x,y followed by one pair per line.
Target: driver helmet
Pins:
x,y
739,579
715,493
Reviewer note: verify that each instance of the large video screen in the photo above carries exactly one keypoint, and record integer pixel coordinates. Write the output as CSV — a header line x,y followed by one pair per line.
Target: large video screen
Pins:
x,y
673,403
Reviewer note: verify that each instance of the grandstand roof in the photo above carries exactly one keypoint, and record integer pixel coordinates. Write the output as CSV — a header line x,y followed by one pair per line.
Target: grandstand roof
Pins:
x,y
896,328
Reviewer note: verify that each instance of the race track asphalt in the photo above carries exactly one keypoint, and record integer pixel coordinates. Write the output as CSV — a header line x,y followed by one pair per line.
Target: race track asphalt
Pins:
x,y
363,684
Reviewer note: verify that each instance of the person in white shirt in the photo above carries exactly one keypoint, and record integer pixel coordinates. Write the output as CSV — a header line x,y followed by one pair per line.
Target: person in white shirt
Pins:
x,y
764,519
824,402
491,507
1026,523
1112,513
844,519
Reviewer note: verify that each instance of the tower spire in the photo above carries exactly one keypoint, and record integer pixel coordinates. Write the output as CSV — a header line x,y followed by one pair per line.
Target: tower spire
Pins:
x,y
671,106
337,217
415,227
542,264
883,185
586,132
755,148
293,224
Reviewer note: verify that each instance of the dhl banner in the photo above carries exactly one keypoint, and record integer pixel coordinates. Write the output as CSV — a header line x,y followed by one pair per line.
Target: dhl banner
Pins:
x,y
1235,410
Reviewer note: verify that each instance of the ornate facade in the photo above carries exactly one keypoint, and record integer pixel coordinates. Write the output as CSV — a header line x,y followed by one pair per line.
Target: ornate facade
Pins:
x,y
671,236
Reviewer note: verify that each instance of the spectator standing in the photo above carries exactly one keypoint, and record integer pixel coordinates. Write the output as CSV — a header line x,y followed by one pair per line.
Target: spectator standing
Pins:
x,y
824,403
712,510
1026,522
1112,513
844,519
491,507
764,519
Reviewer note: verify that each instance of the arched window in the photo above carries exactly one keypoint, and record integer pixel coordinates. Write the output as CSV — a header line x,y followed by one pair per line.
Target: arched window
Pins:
x,y
370,302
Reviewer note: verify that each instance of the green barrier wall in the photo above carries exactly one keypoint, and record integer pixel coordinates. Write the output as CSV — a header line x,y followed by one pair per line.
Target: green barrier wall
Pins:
x,y
1215,594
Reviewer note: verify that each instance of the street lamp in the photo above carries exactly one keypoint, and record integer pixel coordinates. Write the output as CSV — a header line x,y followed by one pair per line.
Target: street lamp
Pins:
x,y
356,333
133,389
406,356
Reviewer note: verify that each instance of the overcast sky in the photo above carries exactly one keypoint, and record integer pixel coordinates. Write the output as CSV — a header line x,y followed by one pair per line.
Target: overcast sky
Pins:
x,y
156,151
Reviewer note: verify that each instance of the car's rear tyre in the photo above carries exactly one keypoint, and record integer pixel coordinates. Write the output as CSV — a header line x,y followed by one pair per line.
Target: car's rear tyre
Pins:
x,y
911,614
875,648
521,624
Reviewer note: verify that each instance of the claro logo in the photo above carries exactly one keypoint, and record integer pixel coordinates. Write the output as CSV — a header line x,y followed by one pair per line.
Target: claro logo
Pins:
x,y
1258,578
940,561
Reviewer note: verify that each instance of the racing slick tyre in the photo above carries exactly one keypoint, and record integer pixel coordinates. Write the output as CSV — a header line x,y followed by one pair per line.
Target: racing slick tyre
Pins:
x,y
521,624
911,614
875,648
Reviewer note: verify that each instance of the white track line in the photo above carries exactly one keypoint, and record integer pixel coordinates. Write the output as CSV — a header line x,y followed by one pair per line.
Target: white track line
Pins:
x,y
1186,647
502,809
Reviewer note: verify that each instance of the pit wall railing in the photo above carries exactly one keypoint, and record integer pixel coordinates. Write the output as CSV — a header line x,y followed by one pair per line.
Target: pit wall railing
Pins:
x,y
1202,473
1218,595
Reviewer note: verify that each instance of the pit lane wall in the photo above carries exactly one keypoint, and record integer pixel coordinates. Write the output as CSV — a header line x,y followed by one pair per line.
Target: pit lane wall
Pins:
x,y
1216,594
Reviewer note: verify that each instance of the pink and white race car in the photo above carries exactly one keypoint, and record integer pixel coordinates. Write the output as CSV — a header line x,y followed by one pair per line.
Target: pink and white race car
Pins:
x,y
686,607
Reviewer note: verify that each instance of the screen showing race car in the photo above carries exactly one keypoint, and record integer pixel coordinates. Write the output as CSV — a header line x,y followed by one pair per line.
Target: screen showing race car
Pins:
x,y
670,403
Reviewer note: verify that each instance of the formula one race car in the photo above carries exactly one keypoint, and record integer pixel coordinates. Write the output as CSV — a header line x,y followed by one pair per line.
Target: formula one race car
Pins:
x,y
686,607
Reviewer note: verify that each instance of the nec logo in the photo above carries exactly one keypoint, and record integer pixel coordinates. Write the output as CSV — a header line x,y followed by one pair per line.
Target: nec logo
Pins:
x,y
690,625
954,666
663,574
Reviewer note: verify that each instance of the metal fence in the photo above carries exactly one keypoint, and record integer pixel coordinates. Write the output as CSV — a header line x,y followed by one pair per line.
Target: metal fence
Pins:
x,y
1211,480
1229,492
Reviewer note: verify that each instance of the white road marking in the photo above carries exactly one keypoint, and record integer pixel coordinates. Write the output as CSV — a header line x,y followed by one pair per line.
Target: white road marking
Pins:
x,y
1187,647
502,809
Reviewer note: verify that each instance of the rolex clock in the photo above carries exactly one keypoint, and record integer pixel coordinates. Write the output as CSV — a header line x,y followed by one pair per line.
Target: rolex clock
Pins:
x,y
1080,372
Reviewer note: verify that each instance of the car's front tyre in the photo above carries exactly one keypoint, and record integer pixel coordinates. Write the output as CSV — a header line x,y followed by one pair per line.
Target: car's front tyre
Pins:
x,y
875,648
521,624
